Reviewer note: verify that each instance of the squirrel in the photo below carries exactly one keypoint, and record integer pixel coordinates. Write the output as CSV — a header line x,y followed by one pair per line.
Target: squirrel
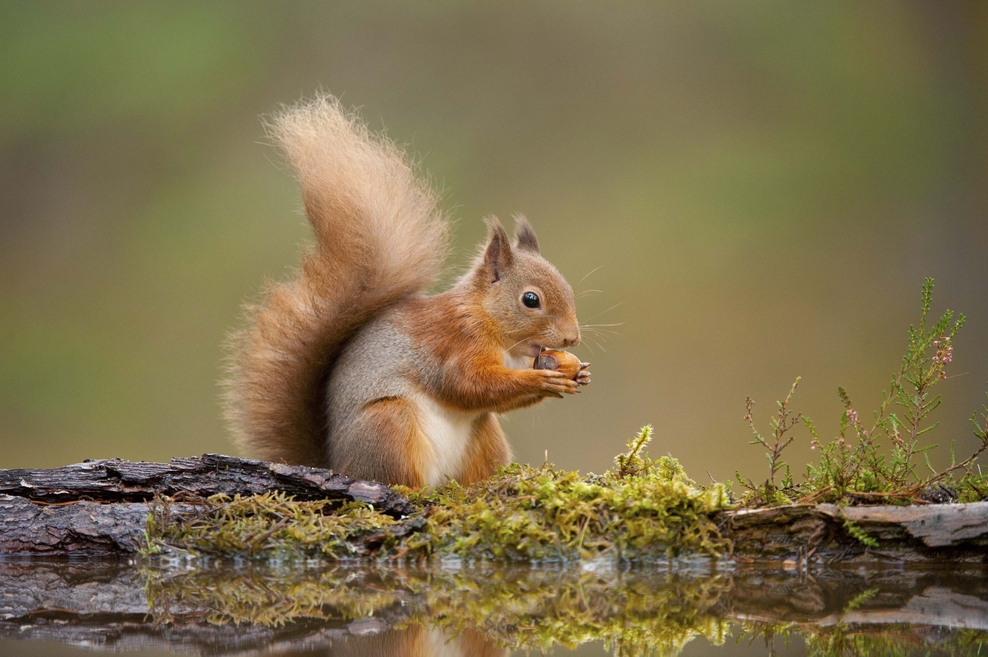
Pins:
x,y
351,366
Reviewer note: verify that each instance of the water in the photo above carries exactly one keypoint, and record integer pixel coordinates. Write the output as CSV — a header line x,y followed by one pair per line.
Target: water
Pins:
x,y
67,608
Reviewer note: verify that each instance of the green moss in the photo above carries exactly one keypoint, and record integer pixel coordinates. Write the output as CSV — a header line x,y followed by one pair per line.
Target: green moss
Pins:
x,y
641,510
272,525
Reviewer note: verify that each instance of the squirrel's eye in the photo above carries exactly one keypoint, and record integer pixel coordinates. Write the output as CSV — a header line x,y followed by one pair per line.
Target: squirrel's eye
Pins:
x,y
530,299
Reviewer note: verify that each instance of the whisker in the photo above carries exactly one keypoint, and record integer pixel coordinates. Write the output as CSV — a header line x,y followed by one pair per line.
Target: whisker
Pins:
x,y
515,345
593,329
587,293
608,310
588,274
599,331
598,344
600,325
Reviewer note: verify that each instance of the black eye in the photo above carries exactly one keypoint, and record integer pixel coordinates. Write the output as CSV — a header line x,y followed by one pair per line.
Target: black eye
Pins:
x,y
530,299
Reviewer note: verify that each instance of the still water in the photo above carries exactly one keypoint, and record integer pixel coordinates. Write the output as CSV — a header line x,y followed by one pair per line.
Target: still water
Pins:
x,y
63,608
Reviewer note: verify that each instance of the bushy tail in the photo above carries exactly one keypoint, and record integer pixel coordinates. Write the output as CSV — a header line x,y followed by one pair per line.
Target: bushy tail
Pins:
x,y
379,238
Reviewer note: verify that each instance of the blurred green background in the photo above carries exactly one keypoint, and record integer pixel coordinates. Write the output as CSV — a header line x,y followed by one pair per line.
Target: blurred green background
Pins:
x,y
759,187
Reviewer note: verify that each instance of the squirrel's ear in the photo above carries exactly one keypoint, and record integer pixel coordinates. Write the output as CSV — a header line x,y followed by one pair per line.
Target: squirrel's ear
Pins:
x,y
497,253
525,238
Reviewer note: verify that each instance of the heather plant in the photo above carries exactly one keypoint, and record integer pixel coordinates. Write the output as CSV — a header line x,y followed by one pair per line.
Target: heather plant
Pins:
x,y
781,425
856,466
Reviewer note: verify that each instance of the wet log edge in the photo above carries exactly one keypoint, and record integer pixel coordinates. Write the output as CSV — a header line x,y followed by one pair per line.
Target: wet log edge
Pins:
x,y
99,509
802,533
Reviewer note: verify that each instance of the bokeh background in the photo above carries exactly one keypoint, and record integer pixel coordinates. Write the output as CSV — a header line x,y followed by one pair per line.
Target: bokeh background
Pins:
x,y
759,189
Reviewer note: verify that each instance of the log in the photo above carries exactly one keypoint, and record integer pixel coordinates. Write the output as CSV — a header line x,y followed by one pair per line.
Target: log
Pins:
x,y
936,525
116,480
100,509
916,533
81,529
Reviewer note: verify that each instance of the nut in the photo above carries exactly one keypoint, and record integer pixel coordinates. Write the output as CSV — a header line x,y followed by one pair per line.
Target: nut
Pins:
x,y
562,361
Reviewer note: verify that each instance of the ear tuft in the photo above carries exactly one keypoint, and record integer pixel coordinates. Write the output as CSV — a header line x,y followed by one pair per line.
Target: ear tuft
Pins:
x,y
497,253
525,238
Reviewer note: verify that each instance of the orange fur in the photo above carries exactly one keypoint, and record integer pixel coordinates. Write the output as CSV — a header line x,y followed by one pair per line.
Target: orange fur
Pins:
x,y
396,452
469,345
488,449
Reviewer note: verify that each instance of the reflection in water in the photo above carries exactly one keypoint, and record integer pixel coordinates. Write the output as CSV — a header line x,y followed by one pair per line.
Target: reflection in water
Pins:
x,y
487,610
412,641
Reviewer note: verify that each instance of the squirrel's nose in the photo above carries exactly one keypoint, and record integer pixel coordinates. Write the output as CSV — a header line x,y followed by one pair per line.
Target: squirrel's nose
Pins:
x,y
572,339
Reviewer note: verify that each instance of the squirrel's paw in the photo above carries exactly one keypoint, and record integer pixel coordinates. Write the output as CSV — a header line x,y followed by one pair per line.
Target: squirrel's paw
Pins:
x,y
583,376
555,383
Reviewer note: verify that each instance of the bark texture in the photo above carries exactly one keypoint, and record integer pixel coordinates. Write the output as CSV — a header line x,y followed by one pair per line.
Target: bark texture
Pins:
x,y
116,480
99,509
921,533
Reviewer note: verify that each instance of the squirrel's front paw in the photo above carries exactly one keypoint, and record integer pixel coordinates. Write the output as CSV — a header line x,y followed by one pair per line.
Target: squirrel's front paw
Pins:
x,y
583,376
554,383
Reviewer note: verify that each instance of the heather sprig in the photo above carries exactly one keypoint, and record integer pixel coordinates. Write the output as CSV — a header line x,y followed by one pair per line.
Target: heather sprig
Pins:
x,y
855,467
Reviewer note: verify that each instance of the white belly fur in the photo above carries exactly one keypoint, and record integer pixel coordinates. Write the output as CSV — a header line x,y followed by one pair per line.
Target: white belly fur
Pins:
x,y
448,431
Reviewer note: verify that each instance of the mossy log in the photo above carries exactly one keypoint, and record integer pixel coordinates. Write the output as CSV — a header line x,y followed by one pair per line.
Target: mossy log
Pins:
x,y
932,532
116,480
100,508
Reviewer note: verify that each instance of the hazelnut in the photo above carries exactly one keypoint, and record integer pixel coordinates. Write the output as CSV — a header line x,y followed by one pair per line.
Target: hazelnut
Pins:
x,y
561,361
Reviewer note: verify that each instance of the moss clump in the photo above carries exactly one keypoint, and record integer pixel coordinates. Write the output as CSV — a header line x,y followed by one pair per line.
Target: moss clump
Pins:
x,y
272,526
642,509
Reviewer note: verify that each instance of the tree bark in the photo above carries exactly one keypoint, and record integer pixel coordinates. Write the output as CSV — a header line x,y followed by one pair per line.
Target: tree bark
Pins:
x,y
99,509
802,532
116,480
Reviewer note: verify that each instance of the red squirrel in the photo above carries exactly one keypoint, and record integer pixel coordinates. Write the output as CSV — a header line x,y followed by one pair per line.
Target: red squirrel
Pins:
x,y
350,366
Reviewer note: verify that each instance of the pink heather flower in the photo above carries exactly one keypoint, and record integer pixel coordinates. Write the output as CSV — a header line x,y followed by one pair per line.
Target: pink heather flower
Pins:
x,y
944,355
852,416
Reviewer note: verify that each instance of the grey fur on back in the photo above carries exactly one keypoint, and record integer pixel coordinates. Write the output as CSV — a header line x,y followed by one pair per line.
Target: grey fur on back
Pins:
x,y
370,367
